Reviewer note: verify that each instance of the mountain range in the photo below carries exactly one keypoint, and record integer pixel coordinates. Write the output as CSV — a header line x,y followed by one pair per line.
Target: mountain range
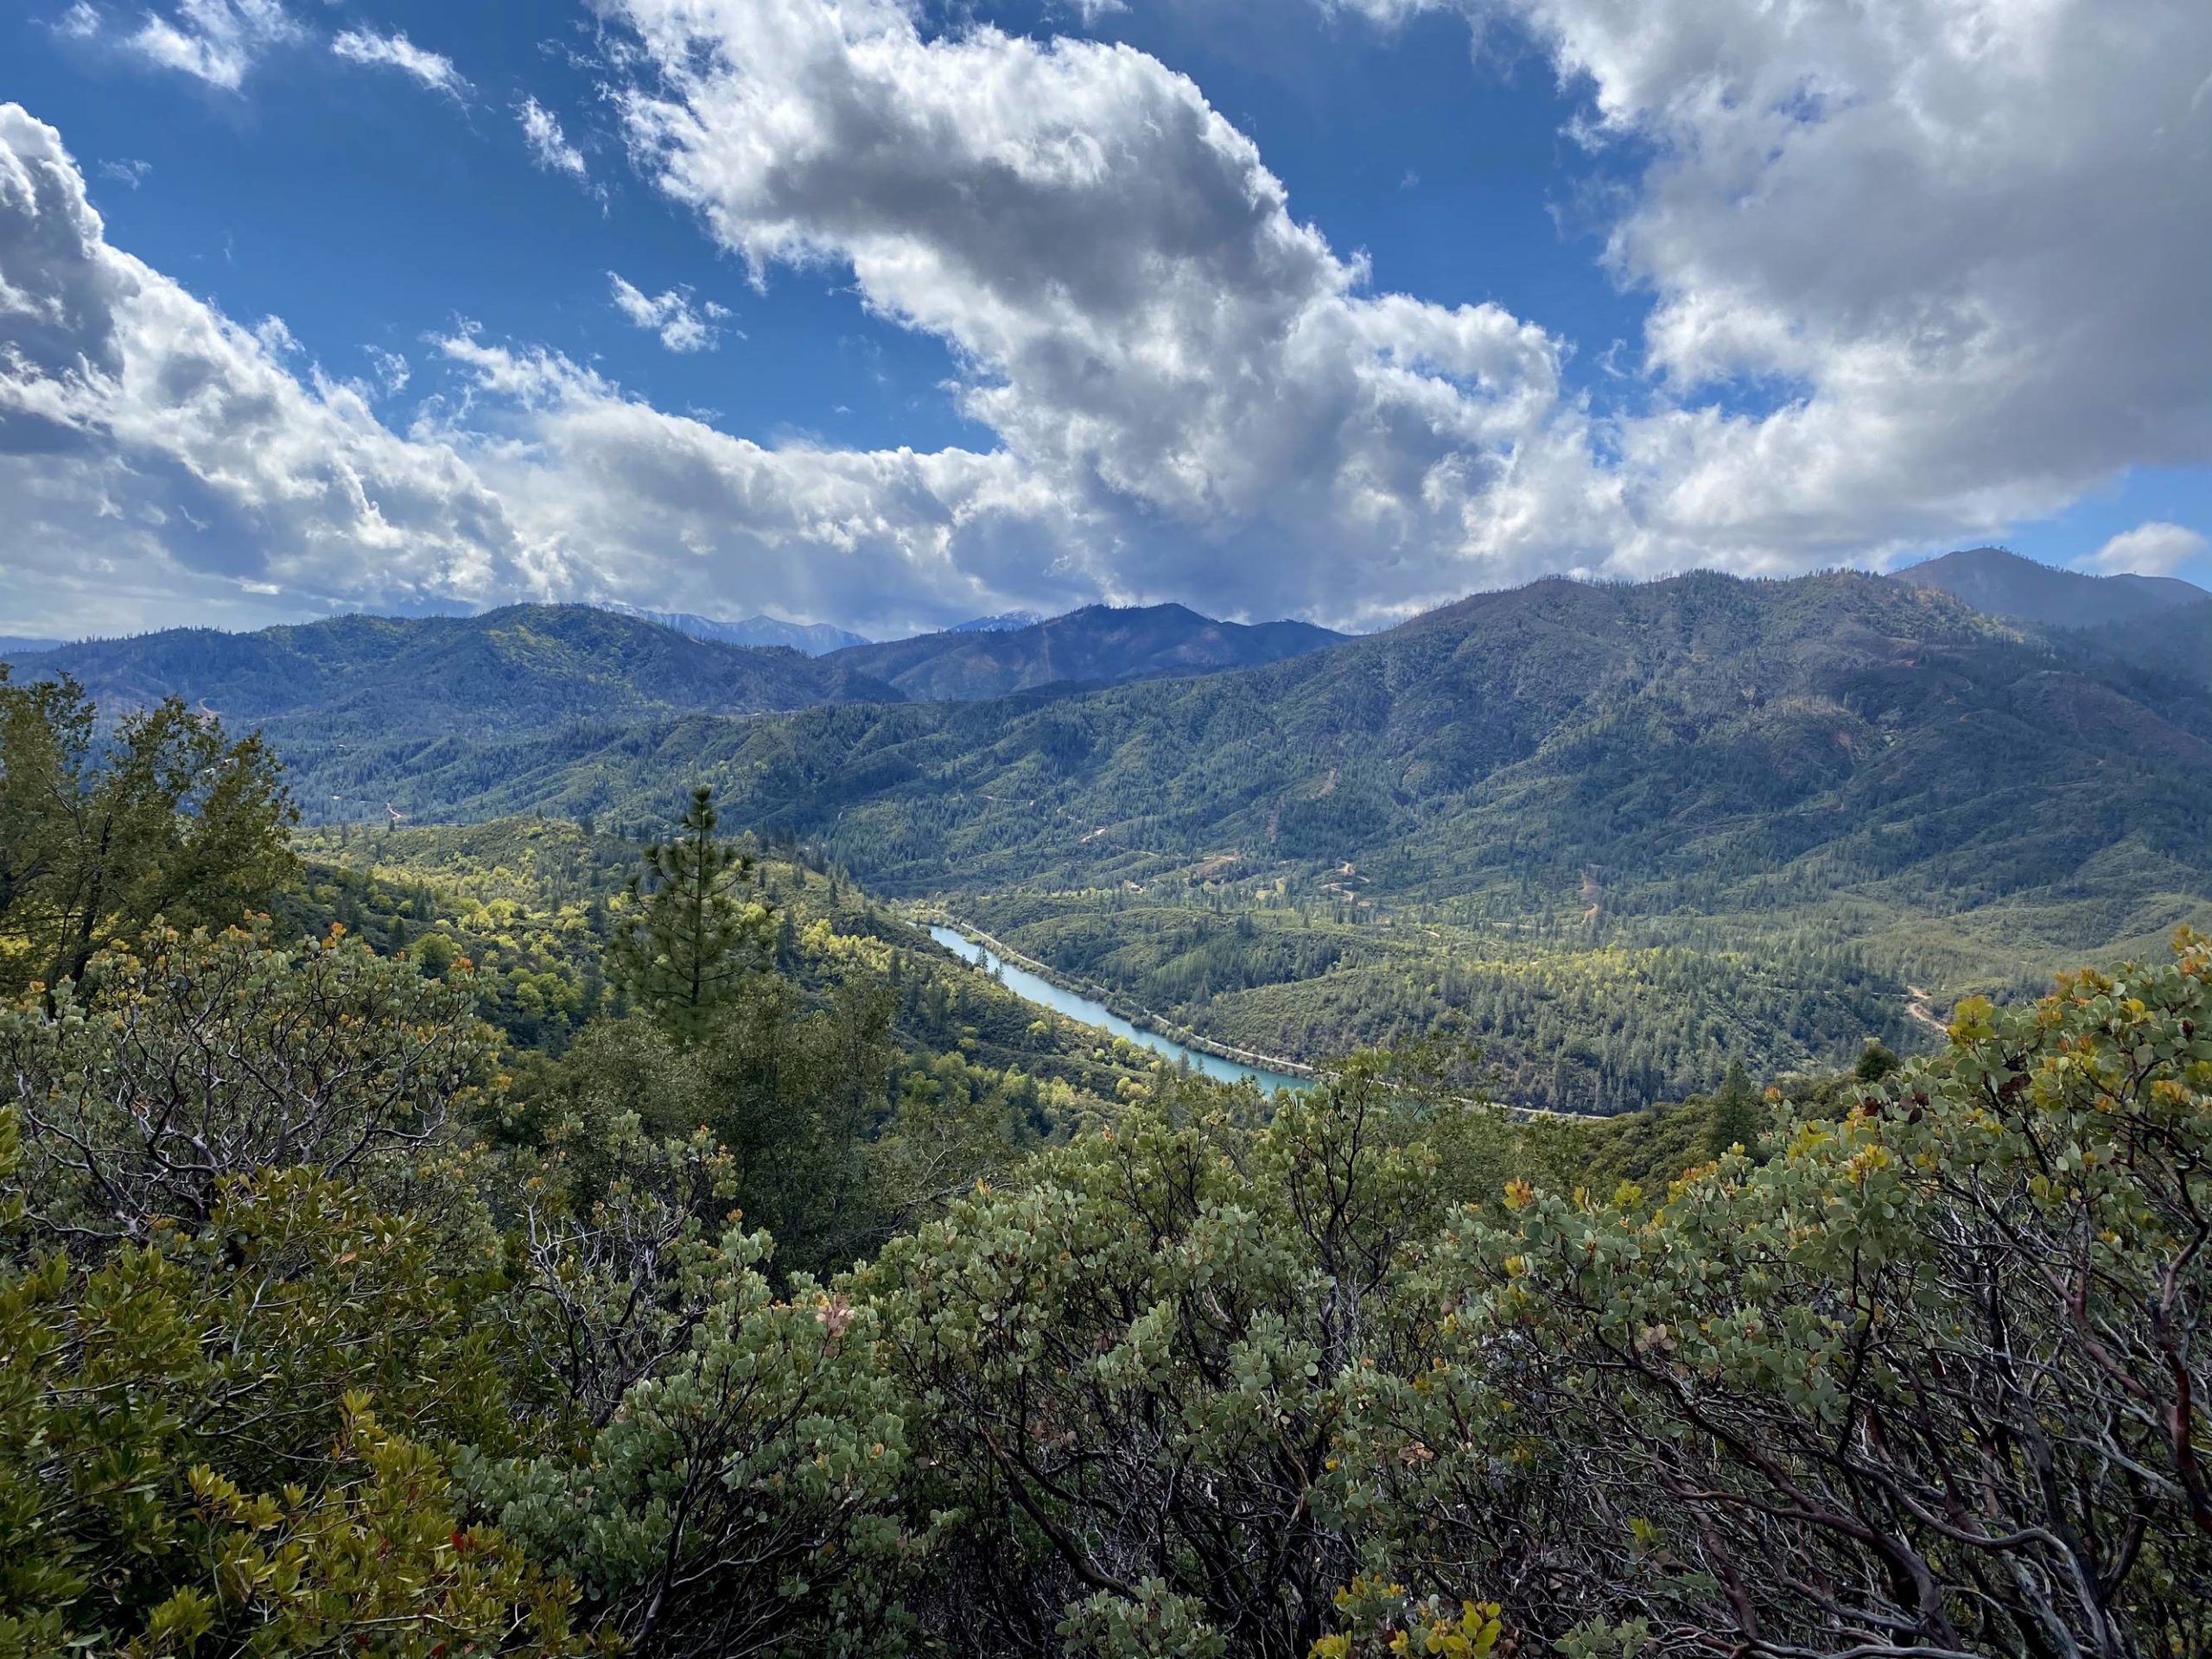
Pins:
x,y
1623,832
1700,732
536,668
1098,643
331,688
809,639
2002,583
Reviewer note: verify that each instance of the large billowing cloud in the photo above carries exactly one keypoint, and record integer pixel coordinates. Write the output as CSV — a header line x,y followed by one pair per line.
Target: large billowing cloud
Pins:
x,y
150,447
160,462
1916,271
1153,337
1955,249
668,506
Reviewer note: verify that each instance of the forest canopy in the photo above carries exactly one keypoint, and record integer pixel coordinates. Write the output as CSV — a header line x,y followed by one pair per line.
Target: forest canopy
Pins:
x,y
1923,1375
438,1245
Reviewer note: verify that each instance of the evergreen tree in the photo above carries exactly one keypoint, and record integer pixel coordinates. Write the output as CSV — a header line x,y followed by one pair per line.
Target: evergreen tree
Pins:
x,y
1735,1120
687,940
1876,1062
101,833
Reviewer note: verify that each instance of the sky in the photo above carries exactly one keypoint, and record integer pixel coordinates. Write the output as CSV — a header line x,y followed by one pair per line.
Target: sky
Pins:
x,y
891,313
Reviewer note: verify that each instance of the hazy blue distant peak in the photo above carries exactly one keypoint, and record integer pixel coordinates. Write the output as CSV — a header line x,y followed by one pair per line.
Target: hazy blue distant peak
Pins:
x,y
1004,622
812,638
1999,582
16,644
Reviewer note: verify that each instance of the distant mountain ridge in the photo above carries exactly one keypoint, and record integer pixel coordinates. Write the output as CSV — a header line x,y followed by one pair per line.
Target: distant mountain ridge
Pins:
x,y
1004,622
1708,744
392,689
1998,582
1098,644
1802,798
809,638
18,645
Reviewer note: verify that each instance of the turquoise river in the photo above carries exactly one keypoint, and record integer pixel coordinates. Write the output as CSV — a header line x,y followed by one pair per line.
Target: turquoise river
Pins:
x,y
1085,1011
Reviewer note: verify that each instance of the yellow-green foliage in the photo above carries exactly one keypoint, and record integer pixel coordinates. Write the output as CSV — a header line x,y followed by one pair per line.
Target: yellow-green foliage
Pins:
x,y
1374,1370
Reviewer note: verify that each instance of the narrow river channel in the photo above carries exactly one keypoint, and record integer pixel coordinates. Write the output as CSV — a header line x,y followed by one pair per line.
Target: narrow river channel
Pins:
x,y
1083,1010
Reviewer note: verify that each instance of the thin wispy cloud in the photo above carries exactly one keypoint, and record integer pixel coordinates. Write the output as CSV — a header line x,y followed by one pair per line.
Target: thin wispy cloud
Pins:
x,y
217,41
549,146
395,51
682,326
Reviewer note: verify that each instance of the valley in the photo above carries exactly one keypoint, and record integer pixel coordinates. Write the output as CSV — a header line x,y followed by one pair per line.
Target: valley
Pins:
x,y
1105,830
1620,836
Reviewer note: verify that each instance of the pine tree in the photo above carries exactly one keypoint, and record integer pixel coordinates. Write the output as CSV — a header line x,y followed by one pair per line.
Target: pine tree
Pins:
x,y
1735,1120
686,941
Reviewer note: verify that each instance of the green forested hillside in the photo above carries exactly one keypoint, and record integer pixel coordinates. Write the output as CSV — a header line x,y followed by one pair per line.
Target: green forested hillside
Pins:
x,y
428,1241
1099,644
532,902
1625,833
350,1342
1712,736
527,668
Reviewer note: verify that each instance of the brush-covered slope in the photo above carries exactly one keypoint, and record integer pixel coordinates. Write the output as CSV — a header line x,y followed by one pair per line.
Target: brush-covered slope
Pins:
x,y
525,669
1691,737
1098,643
2001,583
1622,835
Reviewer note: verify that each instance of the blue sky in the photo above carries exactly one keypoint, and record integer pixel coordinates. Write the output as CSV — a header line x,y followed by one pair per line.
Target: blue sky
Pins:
x,y
361,210
1500,321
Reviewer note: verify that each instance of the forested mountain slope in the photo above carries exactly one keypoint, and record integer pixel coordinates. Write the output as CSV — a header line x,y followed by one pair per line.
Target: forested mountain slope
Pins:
x,y
1705,734
526,668
1098,644
1624,833
2174,644
2002,583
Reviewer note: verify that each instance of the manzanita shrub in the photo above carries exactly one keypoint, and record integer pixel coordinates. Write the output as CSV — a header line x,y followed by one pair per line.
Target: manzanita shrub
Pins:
x,y
1931,1381
1926,1378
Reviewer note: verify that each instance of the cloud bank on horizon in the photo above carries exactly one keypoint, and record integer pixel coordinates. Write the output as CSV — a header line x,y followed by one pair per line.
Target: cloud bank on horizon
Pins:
x,y
1916,273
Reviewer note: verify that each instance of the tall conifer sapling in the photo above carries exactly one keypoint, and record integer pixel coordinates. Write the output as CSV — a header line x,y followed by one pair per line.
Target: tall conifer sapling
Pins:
x,y
689,937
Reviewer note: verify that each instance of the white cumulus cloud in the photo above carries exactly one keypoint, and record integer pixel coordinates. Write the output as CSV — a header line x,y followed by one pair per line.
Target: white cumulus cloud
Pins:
x,y
2157,548
682,326
1135,312
160,462
395,51
148,446
1953,249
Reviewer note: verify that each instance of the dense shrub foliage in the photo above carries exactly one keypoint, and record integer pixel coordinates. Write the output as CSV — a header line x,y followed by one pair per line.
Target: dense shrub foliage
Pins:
x,y
379,1274
1920,1372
